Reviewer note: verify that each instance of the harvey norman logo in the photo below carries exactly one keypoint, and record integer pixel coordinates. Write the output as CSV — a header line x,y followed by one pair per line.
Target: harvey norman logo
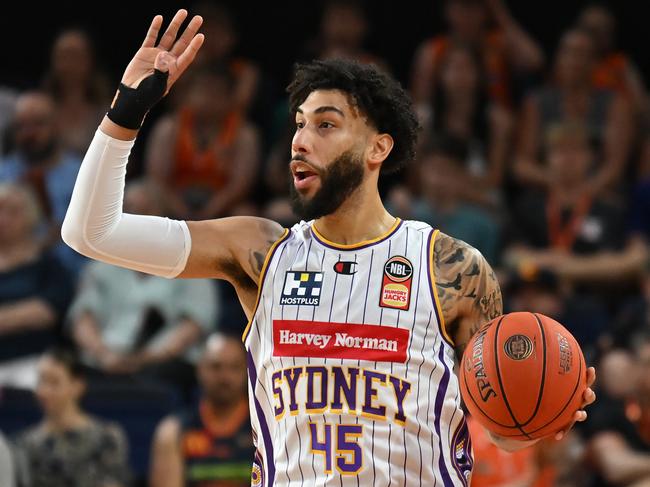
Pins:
x,y
294,338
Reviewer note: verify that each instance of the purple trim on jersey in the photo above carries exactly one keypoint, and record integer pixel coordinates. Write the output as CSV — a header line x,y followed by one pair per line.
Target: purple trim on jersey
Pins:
x,y
431,288
440,396
465,463
266,436
354,249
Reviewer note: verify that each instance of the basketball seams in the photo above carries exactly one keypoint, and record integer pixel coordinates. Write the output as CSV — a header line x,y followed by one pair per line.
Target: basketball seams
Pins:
x,y
575,388
485,415
540,394
518,425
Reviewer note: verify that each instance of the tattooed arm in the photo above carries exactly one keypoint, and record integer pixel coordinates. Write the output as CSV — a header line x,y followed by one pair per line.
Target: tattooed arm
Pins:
x,y
469,297
468,290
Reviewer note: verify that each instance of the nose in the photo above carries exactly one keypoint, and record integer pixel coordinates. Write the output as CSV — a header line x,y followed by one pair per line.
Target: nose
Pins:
x,y
301,143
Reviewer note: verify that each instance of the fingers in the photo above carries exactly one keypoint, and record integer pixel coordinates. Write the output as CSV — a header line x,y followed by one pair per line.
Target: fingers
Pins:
x,y
188,55
167,40
591,376
152,33
187,35
588,397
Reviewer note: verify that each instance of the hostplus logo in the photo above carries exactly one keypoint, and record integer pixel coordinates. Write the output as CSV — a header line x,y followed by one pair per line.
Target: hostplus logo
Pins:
x,y
302,288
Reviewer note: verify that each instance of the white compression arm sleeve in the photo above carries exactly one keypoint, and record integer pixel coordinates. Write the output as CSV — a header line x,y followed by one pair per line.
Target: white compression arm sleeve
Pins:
x,y
96,227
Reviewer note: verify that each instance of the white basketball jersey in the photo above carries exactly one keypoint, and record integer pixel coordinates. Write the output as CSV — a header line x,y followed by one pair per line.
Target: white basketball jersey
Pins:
x,y
351,378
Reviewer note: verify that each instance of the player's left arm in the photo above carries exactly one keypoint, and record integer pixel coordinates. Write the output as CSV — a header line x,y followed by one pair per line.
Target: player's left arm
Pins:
x,y
469,296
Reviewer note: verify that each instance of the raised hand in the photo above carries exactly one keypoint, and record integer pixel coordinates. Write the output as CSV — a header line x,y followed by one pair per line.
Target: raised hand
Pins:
x,y
170,55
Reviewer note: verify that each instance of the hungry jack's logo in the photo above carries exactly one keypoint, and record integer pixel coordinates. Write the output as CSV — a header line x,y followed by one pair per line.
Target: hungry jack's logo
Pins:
x,y
396,283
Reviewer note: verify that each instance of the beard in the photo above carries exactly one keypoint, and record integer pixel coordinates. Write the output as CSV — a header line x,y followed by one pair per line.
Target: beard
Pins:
x,y
341,178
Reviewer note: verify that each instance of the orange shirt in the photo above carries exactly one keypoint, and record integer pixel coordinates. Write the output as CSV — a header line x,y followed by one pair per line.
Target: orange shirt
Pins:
x,y
493,466
206,168
494,59
611,73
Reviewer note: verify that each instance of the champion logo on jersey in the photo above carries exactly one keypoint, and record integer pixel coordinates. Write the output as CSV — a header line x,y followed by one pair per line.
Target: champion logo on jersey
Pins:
x,y
302,288
348,268
396,284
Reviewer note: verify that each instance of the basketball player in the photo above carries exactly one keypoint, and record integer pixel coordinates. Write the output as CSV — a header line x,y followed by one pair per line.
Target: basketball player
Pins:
x,y
354,314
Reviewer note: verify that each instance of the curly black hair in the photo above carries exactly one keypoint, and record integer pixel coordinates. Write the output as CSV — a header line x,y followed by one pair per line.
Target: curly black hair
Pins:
x,y
376,95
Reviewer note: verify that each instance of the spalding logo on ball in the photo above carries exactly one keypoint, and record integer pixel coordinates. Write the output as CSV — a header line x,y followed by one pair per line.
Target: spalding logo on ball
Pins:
x,y
523,376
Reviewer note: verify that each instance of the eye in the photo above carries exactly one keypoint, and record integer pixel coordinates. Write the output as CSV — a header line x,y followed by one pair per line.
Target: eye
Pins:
x,y
326,125
300,124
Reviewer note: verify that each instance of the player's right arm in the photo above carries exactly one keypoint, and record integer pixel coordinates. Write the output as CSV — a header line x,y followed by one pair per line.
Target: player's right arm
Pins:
x,y
232,248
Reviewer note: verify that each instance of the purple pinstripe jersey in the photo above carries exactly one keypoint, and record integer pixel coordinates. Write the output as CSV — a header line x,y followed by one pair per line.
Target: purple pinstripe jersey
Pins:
x,y
350,374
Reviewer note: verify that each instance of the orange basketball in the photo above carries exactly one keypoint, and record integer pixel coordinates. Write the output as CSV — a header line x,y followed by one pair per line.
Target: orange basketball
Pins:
x,y
523,376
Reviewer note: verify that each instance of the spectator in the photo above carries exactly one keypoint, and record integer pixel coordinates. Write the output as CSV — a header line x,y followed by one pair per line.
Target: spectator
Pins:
x,y
40,161
78,88
579,235
461,107
613,69
633,319
219,52
126,322
448,198
211,443
572,98
343,30
206,155
541,291
69,447
617,426
35,289
505,49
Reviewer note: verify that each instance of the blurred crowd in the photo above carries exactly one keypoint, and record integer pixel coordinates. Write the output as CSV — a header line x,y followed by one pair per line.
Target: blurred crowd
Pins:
x,y
541,160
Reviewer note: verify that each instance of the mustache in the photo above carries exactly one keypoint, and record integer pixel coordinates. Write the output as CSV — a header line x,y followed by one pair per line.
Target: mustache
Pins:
x,y
301,158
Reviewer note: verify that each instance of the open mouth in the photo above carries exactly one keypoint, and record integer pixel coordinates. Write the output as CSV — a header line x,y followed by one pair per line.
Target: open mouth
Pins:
x,y
303,175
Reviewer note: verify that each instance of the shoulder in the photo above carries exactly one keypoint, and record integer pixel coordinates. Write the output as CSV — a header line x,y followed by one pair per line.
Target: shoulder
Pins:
x,y
449,251
464,279
29,437
168,430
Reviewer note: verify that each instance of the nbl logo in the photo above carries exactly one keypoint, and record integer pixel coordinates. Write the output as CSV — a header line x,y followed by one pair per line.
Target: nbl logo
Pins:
x,y
302,288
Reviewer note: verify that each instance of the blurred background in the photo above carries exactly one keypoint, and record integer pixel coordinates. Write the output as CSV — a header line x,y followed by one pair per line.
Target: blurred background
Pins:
x,y
535,149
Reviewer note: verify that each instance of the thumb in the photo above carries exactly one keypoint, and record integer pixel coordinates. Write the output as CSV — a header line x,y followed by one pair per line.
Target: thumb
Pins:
x,y
163,61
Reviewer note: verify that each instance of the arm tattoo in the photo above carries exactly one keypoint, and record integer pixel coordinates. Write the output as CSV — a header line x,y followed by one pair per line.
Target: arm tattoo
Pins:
x,y
468,290
257,257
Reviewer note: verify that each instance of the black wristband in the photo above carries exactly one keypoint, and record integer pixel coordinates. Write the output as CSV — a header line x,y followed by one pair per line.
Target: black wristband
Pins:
x,y
132,104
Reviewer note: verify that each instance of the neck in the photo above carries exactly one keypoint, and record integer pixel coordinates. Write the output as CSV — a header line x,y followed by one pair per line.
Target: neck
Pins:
x,y
73,90
70,418
222,409
361,217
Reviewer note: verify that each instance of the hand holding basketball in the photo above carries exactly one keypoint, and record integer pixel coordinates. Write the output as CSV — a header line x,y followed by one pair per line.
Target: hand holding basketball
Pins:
x,y
170,55
523,377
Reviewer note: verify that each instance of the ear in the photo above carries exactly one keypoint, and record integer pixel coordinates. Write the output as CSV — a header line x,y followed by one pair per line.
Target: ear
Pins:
x,y
380,146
